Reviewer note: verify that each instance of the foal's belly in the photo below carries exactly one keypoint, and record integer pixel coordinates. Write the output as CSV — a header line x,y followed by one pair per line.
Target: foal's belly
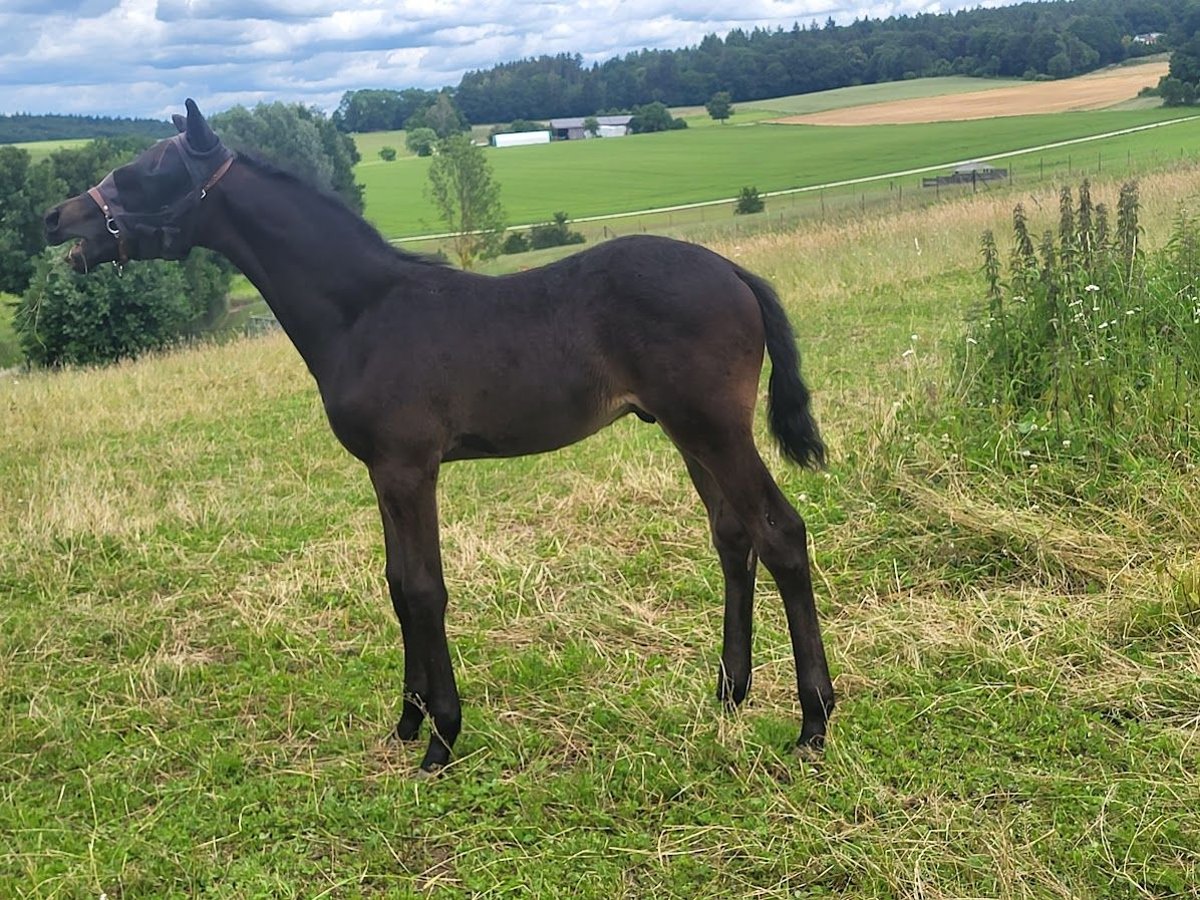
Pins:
x,y
528,428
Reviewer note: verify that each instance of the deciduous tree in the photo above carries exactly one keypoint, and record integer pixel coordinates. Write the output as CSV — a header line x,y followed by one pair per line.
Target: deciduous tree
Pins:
x,y
299,139
720,106
467,197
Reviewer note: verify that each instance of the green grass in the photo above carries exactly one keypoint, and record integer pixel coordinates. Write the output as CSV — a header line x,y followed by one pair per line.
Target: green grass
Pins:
x,y
198,662
611,176
39,150
370,143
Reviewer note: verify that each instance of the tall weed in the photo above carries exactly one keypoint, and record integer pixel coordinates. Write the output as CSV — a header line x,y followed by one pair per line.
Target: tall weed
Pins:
x,y
1089,337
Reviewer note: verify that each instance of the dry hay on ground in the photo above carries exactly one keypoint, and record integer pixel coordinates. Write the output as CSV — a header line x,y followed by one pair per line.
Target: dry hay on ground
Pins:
x,y
1093,91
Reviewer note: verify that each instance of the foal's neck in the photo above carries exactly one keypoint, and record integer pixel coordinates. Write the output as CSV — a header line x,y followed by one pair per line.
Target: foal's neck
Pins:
x,y
316,263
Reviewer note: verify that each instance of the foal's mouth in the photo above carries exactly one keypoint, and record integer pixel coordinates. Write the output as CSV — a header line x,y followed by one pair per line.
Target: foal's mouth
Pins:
x,y
77,258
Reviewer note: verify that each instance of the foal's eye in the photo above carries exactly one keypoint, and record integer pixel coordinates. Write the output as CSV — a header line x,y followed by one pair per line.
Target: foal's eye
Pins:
x,y
129,189
149,191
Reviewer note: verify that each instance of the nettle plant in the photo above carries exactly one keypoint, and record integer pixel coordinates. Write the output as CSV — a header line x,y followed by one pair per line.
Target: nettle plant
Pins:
x,y
1089,335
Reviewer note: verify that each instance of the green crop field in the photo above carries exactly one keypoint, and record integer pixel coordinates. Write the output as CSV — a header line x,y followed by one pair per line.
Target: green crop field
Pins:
x,y
199,664
596,177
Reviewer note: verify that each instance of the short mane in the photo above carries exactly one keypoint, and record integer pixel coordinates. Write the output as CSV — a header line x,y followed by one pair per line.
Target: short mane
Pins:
x,y
364,230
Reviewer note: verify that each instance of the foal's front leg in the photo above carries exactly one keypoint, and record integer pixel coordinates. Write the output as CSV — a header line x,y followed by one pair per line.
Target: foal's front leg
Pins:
x,y
408,500
416,685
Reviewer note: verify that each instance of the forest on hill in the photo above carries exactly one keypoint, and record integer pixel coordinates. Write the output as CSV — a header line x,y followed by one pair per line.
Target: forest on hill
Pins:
x,y
25,127
1055,39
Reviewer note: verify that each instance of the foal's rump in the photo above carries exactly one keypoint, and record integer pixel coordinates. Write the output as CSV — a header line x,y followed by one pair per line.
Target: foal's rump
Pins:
x,y
687,329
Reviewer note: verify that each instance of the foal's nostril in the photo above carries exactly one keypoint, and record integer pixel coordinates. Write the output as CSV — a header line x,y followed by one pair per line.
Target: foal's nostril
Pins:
x,y
51,221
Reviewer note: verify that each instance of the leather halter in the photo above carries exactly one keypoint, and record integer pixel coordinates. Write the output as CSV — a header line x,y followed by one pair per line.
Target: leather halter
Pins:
x,y
110,221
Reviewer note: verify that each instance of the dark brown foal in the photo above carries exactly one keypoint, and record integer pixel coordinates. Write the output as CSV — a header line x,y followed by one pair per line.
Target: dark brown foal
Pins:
x,y
419,364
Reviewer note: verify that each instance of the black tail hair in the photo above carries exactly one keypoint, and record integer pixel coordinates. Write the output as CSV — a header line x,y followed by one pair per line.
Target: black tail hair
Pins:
x,y
789,407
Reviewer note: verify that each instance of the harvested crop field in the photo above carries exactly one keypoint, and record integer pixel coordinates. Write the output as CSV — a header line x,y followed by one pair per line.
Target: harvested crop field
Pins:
x,y
1095,90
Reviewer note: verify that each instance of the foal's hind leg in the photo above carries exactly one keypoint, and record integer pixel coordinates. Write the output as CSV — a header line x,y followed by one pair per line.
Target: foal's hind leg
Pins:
x,y
738,564
726,450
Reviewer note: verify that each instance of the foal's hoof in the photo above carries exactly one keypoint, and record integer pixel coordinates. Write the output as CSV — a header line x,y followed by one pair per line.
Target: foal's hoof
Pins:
x,y
731,693
409,726
811,747
427,774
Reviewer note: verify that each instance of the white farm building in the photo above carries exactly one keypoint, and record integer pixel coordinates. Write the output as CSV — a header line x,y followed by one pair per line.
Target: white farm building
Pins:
x,y
520,138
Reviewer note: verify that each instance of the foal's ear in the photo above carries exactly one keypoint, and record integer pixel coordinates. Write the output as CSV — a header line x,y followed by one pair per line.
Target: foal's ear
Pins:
x,y
199,136
180,123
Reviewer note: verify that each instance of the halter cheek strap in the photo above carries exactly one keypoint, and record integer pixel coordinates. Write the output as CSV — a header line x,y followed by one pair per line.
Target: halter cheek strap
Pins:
x,y
110,221
111,224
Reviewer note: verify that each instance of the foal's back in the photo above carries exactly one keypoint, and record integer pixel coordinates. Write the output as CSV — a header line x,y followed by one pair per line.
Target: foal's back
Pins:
x,y
523,363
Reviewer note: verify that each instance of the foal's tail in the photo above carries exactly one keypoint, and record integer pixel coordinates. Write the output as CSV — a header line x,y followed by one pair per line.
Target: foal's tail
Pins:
x,y
788,400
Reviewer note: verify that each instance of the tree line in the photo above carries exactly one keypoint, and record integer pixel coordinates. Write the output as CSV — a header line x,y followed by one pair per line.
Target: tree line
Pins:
x,y
1054,39
23,128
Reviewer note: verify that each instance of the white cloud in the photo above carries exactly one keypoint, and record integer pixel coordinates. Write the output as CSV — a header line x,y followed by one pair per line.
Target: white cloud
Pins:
x,y
142,57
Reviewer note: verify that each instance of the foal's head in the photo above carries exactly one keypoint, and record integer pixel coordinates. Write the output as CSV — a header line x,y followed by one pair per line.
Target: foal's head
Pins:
x,y
146,209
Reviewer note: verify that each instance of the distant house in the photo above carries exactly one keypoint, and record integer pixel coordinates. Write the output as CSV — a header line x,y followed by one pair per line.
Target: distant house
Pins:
x,y
572,129
520,138
1150,37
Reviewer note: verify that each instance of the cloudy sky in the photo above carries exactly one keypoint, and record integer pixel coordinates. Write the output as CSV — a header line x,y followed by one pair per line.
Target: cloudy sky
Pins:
x,y
143,57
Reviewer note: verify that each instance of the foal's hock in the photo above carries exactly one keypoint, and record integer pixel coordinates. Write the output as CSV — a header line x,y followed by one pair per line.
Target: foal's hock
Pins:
x,y
419,364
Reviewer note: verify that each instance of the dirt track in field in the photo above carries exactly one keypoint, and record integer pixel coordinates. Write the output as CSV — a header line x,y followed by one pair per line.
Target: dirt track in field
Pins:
x,y
1096,90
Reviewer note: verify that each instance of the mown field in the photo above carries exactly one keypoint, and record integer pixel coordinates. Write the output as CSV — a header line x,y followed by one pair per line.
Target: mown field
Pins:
x,y
647,171
199,665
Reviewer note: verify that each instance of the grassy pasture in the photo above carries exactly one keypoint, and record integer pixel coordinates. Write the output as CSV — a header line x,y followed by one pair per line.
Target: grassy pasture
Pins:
x,y
39,150
198,660
647,171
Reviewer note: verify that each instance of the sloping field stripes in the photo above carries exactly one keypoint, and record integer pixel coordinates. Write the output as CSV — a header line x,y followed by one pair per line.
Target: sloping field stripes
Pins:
x,y
866,179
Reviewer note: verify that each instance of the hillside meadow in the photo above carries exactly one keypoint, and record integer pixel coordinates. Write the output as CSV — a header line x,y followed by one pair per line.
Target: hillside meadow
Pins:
x,y
587,178
199,664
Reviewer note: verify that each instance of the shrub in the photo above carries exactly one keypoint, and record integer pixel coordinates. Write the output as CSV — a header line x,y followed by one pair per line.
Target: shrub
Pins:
x,y
550,234
421,141
749,201
554,234
515,242
387,154
64,318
